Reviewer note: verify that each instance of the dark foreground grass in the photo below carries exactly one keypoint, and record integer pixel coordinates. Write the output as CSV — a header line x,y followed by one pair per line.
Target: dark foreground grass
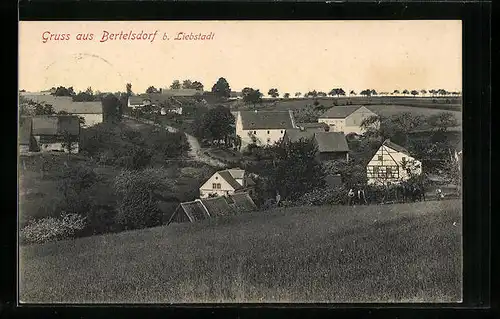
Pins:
x,y
393,253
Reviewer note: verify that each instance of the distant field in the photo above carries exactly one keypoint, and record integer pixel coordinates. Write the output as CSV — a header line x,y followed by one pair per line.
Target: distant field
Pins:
x,y
392,253
388,110
417,103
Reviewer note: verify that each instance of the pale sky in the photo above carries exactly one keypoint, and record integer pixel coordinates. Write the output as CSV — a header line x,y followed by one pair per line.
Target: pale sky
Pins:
x,y
293,56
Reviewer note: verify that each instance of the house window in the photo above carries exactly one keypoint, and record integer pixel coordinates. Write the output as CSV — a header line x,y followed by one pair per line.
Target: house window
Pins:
x,y
381,173
267,132
281,131
218,186
268,140
380,157
214,186
216,177
388,172
254,132
403,159
375,171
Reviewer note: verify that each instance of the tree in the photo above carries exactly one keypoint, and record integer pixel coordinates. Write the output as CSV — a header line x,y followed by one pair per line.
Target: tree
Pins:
x,y
405,92
111,109
218,124
197,86
62,91
69,142
296,169
273,93
414,92
187,84
396,92
286,95
313,93
176,85
129,89
424,92
251,96
443,121
366,92
152,89
373,92
322,94
221,88
337,92
298,94
44,109
307,115
352,92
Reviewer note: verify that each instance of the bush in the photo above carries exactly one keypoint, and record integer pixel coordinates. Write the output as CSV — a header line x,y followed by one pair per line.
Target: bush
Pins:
x,y
50,229
323,196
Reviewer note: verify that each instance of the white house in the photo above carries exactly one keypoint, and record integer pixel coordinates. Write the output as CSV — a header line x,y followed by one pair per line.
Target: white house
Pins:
x,y
227,182
392,164
263,127
346,119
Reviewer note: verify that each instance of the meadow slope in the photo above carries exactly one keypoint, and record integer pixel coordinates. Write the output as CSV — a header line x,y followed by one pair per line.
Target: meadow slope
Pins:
x,y
391,253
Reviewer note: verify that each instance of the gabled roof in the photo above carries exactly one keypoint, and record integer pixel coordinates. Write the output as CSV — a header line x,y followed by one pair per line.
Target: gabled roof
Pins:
x,y
326,141
24,130
331,142
266,120
217,206
242,202
55,125
226,175
66,104
396,147
194,210
340,112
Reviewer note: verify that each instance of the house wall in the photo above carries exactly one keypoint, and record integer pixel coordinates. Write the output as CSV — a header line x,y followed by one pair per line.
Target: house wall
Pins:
x,y
335,125
57,146
24,148
389,158
91,119
262,136
207,188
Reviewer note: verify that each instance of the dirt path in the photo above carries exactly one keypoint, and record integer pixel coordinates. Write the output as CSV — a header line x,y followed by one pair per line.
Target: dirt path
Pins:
x,y
195,152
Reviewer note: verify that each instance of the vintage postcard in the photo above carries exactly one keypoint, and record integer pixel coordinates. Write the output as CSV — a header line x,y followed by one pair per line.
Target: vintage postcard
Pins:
x,y
240,162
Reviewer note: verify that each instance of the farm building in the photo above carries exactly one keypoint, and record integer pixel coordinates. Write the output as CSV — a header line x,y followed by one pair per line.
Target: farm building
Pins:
x,y
331,145
53,132
90,112
205,208
227,182
346,119
263,127
168,103
392,164
24,137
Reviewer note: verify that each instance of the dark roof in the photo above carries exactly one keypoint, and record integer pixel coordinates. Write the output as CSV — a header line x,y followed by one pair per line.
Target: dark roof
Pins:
x,y
266,120
194,210
24,130
230,176
313,125
55,125
66,104
217,206
340,112
331,142
396,147
326,141
242,202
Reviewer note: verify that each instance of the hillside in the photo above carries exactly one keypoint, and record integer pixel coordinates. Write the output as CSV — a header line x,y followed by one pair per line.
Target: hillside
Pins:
x,y
386,253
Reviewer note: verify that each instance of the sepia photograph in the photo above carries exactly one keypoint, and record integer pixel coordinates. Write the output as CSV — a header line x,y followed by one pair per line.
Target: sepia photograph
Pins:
x,y
220,162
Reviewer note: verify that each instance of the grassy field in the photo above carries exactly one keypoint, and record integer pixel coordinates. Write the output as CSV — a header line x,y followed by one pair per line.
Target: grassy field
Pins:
x,y
393,253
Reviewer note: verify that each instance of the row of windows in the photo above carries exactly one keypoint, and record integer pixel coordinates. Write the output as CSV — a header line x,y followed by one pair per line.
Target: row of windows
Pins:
x,y
388,172
268,132
381,158
216,186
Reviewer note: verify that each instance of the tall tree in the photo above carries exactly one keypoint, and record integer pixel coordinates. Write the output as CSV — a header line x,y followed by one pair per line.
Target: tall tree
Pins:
x,y
175,85
396,92
152,89
352,92
273,92
111,109
405,92
63,91
414,92
218,124
221,88
187,84
197,86
298,94
251,96
424,92
286,95
129,89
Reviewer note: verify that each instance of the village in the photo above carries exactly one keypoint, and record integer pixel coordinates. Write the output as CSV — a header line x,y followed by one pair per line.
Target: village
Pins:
x,y
246,123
